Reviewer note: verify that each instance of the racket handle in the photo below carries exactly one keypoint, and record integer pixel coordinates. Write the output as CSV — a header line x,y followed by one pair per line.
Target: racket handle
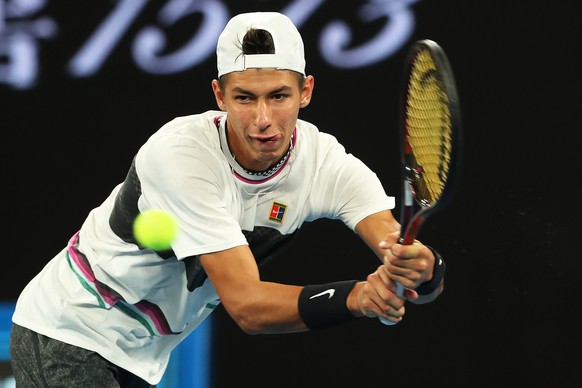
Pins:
x,y
399,292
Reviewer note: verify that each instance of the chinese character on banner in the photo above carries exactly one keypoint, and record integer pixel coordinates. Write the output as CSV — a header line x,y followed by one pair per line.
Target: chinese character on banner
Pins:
x,y
20,30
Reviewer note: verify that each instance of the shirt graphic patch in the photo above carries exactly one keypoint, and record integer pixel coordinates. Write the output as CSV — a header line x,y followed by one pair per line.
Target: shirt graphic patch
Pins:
x,y
277,212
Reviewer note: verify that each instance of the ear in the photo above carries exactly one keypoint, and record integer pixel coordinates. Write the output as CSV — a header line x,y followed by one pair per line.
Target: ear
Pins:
x,y
218,94
307,91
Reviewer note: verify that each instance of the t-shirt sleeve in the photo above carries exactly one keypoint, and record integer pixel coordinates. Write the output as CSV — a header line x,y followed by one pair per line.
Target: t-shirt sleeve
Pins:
x,y
350,190
187,180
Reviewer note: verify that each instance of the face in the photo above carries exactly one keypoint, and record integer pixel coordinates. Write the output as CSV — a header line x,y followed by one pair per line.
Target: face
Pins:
x,y
262,106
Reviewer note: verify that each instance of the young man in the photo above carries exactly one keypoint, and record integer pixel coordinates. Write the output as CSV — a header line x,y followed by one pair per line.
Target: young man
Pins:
x,y
240,182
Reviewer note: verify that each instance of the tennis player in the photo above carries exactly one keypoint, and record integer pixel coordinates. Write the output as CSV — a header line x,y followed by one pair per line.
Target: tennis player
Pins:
x,y
240,181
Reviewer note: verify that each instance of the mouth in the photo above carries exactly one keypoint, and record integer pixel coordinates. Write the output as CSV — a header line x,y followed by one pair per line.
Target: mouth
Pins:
x,y
268,140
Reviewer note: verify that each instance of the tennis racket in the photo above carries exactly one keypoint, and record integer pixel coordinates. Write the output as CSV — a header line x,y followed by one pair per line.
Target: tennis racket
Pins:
x,y
430,136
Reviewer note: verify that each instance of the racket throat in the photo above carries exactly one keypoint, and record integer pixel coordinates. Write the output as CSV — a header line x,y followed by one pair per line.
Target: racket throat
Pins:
x,y
408,193
411,230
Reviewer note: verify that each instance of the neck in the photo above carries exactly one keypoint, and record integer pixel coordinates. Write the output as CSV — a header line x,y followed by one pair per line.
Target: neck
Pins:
x,y
271,170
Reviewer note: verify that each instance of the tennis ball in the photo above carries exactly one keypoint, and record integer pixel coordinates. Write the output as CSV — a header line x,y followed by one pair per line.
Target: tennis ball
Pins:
x,y
155,229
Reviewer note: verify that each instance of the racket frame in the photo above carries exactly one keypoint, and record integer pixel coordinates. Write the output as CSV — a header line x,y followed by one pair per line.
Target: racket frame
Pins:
x,y
413,211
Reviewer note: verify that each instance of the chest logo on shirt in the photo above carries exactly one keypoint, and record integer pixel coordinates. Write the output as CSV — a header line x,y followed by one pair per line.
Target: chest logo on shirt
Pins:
x,y
277,212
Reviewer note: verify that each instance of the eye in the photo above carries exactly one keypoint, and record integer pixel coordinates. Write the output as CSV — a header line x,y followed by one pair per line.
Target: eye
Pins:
x,y
242,98
280,96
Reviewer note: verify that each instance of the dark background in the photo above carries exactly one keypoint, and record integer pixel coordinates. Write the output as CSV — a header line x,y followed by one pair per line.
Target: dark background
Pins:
x,y
508,316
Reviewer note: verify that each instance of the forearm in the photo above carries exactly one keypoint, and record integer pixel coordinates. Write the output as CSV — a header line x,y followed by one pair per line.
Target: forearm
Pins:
x,y
276,308
267,308
375,228
285,309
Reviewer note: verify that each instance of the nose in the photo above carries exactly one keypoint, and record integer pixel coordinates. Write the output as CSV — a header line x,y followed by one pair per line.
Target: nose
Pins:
x,y
263,114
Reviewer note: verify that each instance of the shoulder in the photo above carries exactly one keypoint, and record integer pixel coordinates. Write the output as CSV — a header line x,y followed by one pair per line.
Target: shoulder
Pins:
x,y
186,124
196,130
310,133
181,144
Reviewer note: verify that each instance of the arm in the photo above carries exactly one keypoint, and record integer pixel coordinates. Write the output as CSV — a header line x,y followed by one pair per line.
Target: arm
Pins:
x,y
260,307
411,265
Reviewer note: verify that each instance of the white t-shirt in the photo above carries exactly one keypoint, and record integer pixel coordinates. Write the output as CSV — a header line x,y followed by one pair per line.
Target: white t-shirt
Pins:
x,y
133,306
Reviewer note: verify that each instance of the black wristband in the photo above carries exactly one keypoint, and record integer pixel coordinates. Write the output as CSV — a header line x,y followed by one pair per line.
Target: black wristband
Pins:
x,y
324,305
438,273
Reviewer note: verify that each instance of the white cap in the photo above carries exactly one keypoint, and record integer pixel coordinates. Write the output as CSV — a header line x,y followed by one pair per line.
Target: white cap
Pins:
x,y
289,51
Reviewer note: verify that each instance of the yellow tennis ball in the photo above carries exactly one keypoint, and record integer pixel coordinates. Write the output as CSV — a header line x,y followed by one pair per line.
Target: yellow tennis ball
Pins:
x,y
155,229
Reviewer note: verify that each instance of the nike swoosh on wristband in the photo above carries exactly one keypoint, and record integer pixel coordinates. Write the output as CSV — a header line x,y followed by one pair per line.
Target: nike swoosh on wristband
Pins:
x,y
329,292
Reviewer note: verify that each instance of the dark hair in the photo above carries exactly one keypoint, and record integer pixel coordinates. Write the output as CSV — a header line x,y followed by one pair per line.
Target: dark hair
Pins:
x,y
257,41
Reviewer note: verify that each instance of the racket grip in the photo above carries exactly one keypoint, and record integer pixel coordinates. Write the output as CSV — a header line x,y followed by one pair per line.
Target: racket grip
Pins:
x,y
386,322
399,292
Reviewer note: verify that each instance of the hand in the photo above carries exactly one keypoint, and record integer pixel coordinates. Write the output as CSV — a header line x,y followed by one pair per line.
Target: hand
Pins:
x,y
409,265
376,297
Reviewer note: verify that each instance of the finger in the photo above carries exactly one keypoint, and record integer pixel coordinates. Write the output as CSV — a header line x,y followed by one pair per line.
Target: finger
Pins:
x,y
389,240
381,291
408,278
397,269
403,265
393,315
372,301
409,294
386,280
384,275
406,251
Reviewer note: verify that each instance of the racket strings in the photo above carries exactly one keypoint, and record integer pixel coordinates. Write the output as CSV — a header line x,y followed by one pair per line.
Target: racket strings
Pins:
x,y
428,127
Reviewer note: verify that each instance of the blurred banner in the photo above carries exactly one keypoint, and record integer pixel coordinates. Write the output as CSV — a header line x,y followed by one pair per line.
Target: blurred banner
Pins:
x,y
170,37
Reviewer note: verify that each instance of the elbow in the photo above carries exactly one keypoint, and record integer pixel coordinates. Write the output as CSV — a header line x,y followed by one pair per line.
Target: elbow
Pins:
x,y
248,323
255,323
249,326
